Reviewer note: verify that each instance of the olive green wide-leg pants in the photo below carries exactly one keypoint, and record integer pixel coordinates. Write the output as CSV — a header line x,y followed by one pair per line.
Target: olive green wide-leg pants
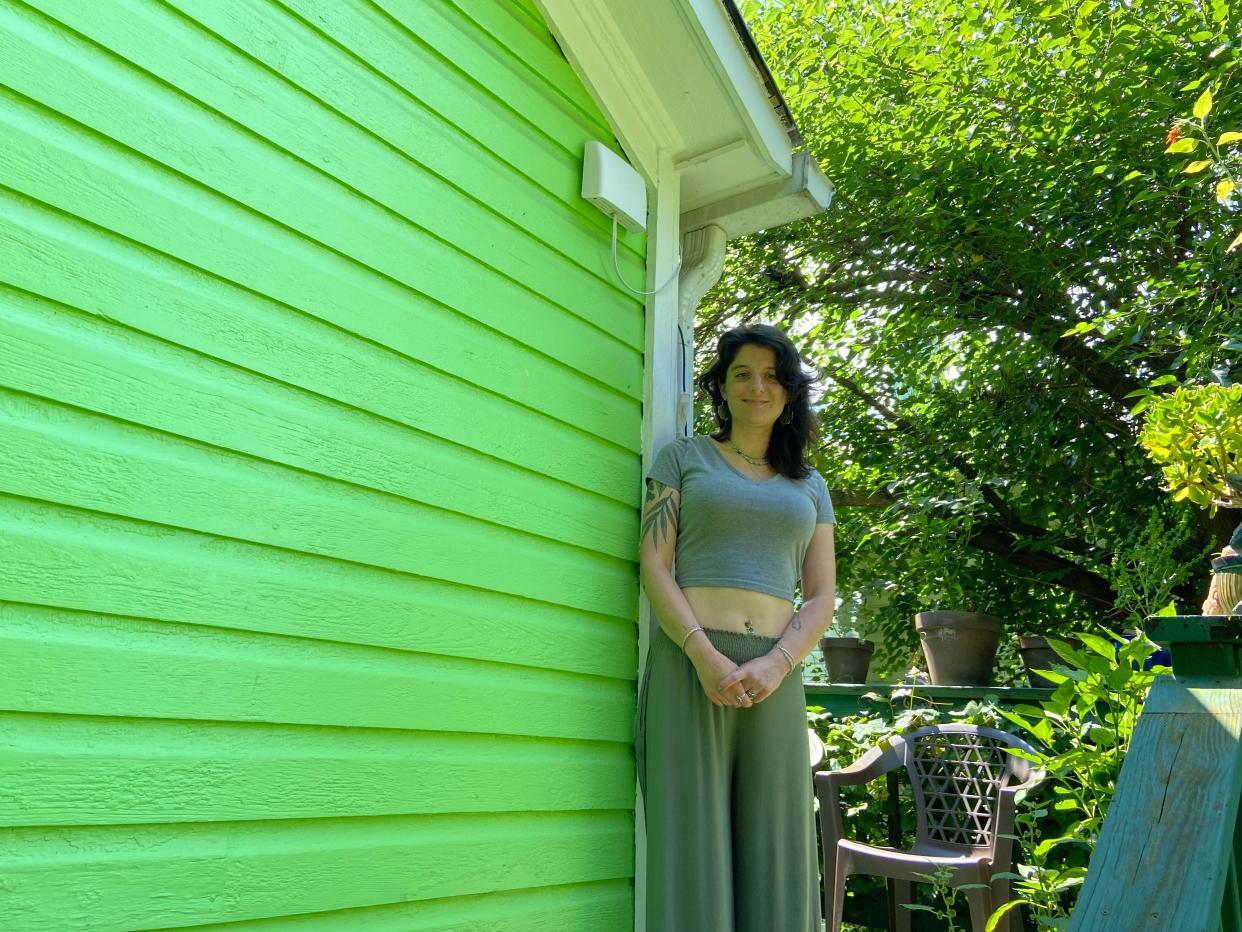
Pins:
x,y
727,791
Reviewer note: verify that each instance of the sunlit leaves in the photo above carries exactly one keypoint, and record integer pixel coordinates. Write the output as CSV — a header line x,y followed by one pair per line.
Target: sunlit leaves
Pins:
x,y
1195,436
1203,106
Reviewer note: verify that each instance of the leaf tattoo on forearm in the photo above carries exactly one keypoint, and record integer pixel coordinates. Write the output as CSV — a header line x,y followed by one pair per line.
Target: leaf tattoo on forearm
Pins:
x,y
659,512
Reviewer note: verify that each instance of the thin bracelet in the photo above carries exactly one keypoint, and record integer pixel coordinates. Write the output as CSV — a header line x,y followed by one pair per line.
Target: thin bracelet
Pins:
x,y
788,657
687,637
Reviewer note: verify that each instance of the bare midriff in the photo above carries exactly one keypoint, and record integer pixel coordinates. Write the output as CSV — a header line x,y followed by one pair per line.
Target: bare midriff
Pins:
x,y
730,609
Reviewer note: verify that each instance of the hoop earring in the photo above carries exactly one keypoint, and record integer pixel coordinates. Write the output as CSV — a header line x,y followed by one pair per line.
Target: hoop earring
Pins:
x,y
722,412
786,417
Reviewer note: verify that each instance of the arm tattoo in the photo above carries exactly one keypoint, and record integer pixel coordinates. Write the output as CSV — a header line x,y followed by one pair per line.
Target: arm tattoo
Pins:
x,y
659,513
797,622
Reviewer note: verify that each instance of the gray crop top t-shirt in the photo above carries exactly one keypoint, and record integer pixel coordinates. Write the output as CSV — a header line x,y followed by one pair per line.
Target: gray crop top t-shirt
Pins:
x,y
738,532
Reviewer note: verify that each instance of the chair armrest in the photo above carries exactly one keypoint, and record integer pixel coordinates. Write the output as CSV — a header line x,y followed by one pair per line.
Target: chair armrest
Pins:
x,y
1038,776
875,763
1012,794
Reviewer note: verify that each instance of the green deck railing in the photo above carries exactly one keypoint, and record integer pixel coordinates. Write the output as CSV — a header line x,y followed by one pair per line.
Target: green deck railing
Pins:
x,y
1168,854
849,700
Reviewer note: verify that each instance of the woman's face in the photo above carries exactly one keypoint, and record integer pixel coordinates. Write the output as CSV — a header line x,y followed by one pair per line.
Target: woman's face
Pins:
x,y
751,390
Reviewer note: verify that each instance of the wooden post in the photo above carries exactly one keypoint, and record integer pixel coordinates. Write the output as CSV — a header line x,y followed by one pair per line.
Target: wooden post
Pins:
x,y
1167,854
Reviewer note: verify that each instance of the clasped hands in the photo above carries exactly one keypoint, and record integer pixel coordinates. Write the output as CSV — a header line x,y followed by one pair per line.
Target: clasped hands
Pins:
x,y
741,686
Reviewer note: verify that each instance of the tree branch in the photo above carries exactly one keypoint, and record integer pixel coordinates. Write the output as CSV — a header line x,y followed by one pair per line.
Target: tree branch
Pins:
x,y
959,462
1000,542
856,498
1065,573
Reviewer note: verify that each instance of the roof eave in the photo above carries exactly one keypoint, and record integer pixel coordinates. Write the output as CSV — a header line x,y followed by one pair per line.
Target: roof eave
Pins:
x,y
683,78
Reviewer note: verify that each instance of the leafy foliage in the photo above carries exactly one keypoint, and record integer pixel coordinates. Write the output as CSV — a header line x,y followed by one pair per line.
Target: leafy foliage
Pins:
x,y
1188,134
1010,255
1146,570
1195,436
1083,733
945,896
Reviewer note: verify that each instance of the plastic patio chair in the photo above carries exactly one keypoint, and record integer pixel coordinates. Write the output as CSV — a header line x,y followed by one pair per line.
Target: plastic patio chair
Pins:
x,y
815,748
965,787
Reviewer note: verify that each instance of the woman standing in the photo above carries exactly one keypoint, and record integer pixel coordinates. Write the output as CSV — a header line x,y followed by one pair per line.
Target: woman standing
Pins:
x,y
722,717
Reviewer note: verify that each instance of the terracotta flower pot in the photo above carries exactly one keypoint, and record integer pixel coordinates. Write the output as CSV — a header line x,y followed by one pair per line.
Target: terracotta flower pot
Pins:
x,y
960,647
847,659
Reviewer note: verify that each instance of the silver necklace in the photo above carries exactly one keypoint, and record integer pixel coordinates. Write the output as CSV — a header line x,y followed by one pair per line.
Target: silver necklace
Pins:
x,y
753,460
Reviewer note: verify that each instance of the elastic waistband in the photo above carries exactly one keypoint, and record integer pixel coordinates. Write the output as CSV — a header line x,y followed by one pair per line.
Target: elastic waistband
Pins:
x,y
736,645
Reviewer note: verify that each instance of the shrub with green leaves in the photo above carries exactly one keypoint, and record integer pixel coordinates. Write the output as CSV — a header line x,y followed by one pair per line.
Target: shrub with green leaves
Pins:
x,y
1195,436
1216,160
1082,734
1146,568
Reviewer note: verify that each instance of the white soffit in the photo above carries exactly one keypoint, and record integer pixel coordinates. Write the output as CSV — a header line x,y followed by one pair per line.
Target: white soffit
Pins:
x,y
674,77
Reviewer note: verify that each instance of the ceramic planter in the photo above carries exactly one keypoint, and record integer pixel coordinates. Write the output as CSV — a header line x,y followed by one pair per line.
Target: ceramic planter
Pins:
x,y
847,659
960,647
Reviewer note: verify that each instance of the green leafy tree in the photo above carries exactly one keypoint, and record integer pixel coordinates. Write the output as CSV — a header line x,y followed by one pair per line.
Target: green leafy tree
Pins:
x,y
1011,260
1222,163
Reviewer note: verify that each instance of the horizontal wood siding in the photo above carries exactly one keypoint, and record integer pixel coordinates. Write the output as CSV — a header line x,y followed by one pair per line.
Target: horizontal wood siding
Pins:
x,y
319,452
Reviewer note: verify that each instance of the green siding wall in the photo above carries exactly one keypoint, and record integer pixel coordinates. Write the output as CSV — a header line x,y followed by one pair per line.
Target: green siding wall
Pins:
x,y
319,468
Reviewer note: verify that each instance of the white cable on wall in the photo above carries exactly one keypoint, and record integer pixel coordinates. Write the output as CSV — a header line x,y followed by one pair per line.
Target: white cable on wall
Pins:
x,y
617,268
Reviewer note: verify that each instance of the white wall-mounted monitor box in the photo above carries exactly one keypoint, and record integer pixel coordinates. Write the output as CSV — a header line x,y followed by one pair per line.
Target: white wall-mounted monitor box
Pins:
x,y
614,187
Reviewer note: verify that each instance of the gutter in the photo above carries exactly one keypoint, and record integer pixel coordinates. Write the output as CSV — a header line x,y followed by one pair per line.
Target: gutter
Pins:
x,y
775,97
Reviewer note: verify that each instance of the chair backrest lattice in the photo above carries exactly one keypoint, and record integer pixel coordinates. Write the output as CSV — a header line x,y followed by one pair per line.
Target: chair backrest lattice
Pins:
x,y
957,777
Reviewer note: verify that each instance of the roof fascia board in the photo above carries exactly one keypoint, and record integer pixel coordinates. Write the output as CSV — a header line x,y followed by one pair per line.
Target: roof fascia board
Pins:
x,y
765,73
735,67
590,38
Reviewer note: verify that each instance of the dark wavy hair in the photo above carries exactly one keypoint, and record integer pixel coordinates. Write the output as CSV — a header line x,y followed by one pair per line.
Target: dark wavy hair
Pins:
x,y
789,444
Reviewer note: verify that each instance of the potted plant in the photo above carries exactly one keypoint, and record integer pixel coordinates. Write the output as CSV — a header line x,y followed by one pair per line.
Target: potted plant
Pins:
x,y
1037,654
847,655
960,646
1195,436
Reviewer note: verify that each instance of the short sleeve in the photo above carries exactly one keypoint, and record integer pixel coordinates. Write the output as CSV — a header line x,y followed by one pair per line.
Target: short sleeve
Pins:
x,y
823,502
668,464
